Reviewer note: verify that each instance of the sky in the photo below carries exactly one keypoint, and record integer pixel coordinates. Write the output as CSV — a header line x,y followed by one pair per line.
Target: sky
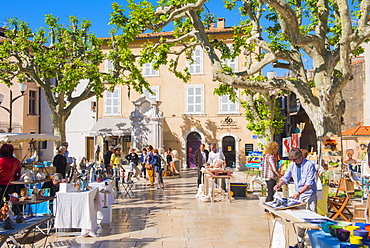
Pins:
x,y
97,11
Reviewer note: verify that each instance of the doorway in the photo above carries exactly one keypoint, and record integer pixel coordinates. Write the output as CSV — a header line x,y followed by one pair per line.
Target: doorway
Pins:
x,y
228,149
193,142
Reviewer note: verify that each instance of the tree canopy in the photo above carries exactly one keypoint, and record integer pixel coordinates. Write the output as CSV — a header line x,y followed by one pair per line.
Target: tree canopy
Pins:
x,y
276,32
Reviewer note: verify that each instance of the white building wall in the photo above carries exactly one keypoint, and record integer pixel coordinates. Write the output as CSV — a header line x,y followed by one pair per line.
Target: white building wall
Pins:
x,y
367,86
46,124
79,124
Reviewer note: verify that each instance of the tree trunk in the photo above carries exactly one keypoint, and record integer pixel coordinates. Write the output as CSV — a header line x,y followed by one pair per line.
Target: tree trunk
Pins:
x,y
59,127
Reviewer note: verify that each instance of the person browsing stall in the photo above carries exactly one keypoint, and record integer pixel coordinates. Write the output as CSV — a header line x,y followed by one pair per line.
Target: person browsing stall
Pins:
x,y
10,170
214,155
303,172
60,161
201,158
53,185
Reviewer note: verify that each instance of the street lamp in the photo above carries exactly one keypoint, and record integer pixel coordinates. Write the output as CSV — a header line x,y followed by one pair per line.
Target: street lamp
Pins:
x,y
22,88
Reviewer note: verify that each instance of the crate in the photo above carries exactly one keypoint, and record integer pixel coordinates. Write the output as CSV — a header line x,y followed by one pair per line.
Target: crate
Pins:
x,y
239,189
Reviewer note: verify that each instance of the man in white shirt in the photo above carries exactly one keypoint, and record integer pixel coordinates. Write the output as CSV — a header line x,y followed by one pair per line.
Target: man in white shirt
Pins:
x,y
215,155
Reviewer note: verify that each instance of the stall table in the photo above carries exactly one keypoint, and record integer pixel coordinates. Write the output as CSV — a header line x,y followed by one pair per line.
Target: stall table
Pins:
x,y
28,227
101,185
78,210
208,175
295,217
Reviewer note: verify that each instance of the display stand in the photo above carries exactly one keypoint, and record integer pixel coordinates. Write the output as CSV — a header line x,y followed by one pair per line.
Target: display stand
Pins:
x,y
30,223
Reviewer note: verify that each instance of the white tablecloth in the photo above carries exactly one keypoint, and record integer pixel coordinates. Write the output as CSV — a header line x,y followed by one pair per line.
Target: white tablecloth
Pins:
x,y
101,185
77,210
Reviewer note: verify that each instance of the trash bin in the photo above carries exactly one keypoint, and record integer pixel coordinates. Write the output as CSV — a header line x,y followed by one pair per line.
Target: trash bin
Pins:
x,y
239,189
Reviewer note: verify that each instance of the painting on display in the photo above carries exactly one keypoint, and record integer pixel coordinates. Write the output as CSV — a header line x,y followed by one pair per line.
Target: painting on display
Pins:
x,y
287,145
332,162
295,140
331,145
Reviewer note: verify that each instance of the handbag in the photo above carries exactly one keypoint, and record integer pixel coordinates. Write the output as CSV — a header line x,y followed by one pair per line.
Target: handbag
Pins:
x,y
148,166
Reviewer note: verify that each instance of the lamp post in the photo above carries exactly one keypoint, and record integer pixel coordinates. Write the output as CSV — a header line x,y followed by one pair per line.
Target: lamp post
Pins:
x,y
22,88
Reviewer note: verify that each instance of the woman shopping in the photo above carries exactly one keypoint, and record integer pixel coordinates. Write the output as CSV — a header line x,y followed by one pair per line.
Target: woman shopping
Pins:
x,y
269,169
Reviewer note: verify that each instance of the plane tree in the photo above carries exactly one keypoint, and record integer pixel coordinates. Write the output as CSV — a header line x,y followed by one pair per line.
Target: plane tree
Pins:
x,y
271,32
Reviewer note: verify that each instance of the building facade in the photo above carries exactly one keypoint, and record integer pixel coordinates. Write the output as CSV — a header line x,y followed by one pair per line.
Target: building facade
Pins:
x,y
178,115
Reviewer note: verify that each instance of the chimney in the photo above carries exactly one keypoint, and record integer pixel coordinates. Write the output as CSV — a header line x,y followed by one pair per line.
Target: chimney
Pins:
x,y
221,22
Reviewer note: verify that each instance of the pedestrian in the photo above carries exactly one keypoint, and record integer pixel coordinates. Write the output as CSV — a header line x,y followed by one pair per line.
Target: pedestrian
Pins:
x,y
303,172
270,171
107,157
115,161
142,162
170,161
65,144
10,170
60,161
157,162
149,166
214,155
133,160
201,158
53,185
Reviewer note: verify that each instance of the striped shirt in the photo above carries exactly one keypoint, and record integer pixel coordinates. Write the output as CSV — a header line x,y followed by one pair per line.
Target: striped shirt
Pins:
x,y
269,167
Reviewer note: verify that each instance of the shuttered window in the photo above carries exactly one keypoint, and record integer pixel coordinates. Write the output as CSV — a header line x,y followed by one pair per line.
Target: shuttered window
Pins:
x,y
195,99
112,102
148,70
196,66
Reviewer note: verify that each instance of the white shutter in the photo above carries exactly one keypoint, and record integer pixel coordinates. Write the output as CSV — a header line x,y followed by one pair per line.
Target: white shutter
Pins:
x,y
108,65
194,99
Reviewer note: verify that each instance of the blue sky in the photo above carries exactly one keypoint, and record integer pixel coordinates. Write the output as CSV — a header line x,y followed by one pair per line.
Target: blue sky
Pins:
x,y
97,11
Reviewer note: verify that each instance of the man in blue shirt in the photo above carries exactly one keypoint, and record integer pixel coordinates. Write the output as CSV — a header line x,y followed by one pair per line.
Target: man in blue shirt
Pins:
x,y
303,172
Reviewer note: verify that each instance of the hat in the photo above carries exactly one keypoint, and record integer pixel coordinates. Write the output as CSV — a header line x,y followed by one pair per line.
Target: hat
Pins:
x,y
111,147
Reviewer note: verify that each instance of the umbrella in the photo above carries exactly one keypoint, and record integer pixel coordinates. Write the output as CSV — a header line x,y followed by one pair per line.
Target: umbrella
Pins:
x,y
26,137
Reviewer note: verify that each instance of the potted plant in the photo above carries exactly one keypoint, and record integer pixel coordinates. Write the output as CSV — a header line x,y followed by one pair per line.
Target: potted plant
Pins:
x,y
263,193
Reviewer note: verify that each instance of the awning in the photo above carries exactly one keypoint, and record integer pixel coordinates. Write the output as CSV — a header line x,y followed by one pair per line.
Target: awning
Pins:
x,y
26,137
111,127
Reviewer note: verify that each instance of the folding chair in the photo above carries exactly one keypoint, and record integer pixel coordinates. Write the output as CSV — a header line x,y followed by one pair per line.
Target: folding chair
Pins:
x,y
338,205
127,188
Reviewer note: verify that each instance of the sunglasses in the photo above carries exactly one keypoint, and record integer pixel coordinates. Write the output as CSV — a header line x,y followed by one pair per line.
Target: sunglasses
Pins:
x,y
295,159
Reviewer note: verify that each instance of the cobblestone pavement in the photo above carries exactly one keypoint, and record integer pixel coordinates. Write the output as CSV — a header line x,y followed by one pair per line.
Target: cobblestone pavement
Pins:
x,y
173,217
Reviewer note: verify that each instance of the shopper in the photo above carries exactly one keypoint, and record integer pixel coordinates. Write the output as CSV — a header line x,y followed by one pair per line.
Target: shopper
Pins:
x,y
60,161
53,185
201,158
149,166
303,172
10,170
214,155
157,163
142,162
170,161
133,160
270,171
107,157
115,161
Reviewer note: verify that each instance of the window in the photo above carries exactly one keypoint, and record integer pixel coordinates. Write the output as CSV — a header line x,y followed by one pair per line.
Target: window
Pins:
x,y
232,63
148,70
32,102
227,106
194,99
196,66
108,65
44,144
112,102
150,96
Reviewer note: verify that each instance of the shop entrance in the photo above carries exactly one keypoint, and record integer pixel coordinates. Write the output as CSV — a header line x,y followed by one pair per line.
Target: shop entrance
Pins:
x,y
228,149
193,142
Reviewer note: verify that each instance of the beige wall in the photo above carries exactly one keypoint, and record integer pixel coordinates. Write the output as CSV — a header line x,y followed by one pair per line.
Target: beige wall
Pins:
x,y
172,94
22,121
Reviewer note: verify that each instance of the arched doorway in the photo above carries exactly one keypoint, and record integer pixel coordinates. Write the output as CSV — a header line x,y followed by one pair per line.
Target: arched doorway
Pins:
x,y
228,149
193,141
